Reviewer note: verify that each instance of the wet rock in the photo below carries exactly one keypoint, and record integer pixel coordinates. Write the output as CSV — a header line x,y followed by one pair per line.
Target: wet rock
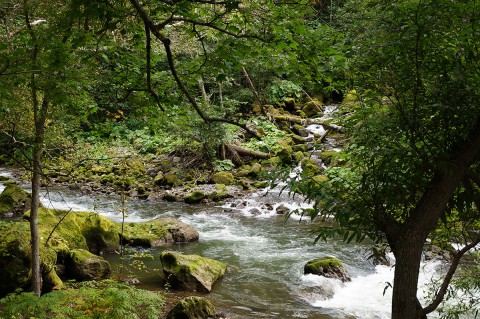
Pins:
x,y
14,201
328,267
157,232
255,211
131,281
83,265
193,308
282,210
191,272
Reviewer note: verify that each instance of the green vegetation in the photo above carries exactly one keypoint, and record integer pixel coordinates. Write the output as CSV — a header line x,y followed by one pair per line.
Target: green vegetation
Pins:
x,y
103,299
144,97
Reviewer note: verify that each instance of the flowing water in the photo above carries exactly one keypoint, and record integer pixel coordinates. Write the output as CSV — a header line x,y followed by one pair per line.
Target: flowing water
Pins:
x,y
265,256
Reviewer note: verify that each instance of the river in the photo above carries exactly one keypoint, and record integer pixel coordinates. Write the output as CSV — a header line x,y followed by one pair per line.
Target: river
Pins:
x,y
265,255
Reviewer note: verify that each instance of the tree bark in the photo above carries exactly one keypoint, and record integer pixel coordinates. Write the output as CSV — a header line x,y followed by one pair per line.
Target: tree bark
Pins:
x,y
408,252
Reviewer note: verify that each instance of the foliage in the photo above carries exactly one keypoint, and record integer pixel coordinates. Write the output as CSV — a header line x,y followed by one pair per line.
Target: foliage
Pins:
x,y
281,89
105,299
270,133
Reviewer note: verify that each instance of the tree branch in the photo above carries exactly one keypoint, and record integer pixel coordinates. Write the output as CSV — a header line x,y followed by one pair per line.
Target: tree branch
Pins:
x,y
448,278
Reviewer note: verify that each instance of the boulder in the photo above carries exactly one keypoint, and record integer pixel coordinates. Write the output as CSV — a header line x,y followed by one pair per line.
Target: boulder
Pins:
x,y
15,259
192,308
14,201
225,178
329,267
313,108
78,230
83,265
191,272
194,197
310,167
282,210
157,232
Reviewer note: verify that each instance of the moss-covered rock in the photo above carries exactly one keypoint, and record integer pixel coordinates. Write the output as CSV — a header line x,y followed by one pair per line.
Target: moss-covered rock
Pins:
x,y
313,108
193,308
329,157
4,178
15,259
191,272
329,267
14,201
220,193
157,232
286,151
310,167
83,265
225,178
194,197
78,230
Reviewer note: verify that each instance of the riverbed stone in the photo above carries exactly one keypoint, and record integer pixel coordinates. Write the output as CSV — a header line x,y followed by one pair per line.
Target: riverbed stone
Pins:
x,y
194,197
194,307
225,178
158,232
83,265
14,201
191,272
329,267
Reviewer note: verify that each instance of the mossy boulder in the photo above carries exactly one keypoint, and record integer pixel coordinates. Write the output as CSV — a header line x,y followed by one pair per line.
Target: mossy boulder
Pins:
x,y
310,167
313,108
14,201
15,259
3,178
83,265
194,197
78,230
191,272
158,232
225,178
220,193
329,267
285,149
329,157
193,308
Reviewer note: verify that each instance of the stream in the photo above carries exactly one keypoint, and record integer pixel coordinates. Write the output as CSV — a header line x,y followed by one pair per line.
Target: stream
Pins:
x,y
265,255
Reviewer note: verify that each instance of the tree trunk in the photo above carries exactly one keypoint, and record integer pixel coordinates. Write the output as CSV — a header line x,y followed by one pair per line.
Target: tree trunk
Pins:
x,y
408,252
35,238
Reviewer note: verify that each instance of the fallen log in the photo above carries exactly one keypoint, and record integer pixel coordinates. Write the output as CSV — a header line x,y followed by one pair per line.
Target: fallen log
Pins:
x,y
248,152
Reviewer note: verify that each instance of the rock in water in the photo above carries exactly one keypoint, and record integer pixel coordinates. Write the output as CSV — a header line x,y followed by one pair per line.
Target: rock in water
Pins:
x,y
192,308
83,265
328,267
191,272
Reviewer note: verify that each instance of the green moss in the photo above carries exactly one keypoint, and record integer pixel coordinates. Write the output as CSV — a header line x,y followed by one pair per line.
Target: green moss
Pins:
x,y
225,178
83,265
313,108
14,200
15,259
194,197
146,233
314,266
191,308
3,178
310,167
191,271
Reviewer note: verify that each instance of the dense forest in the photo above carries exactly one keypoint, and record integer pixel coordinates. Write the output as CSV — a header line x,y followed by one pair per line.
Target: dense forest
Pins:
x,y
205,101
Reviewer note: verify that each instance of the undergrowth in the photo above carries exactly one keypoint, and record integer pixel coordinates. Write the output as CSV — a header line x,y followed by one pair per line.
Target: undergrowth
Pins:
x,y
100,300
